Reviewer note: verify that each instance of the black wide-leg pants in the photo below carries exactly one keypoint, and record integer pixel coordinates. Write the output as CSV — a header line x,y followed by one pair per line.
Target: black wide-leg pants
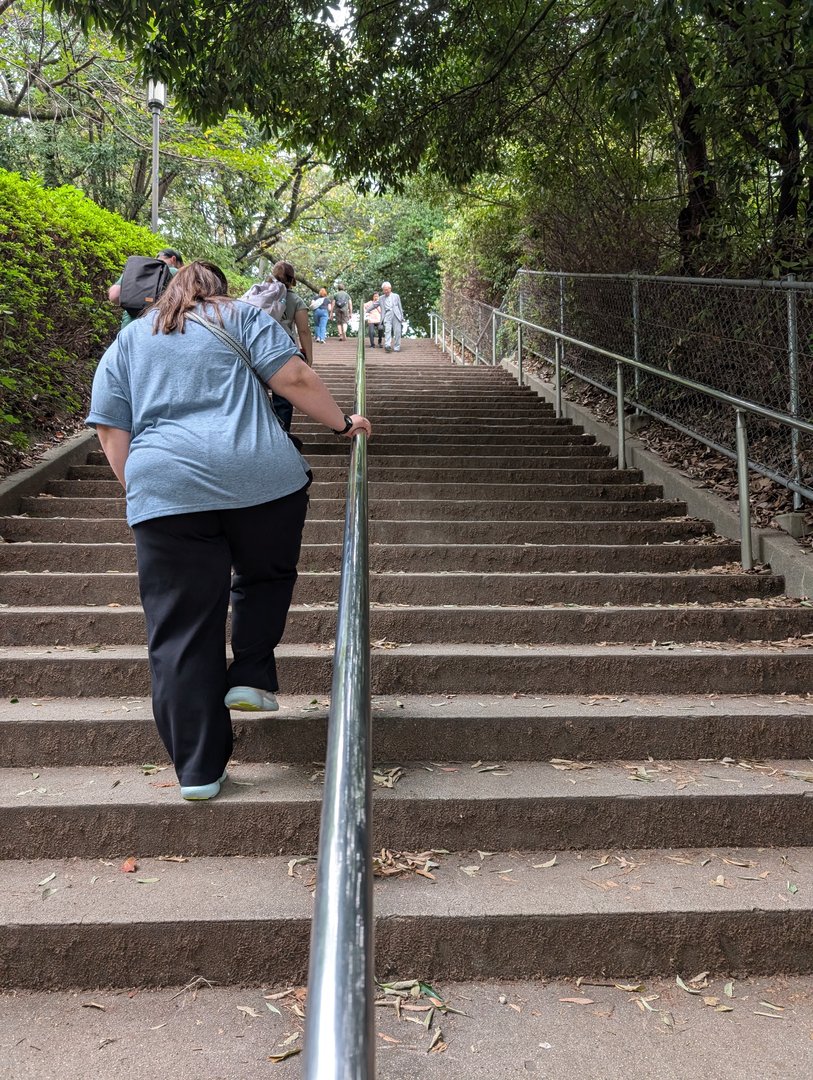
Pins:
x,y
188,565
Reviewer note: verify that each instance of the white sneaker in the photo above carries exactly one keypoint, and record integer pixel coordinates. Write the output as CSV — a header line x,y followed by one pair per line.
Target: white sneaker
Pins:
x,y
249,699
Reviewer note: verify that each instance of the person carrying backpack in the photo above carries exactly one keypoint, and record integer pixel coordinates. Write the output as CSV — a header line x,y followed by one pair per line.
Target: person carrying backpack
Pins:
x,y
342,310
142,281
276,297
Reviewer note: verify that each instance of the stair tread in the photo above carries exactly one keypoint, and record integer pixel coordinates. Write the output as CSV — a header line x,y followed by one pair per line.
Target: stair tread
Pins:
x,y
48,1034
260,889
459,707
268,783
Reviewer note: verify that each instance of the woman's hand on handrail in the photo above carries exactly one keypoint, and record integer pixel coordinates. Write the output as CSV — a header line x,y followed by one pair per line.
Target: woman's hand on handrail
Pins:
x,y
308,393
361,426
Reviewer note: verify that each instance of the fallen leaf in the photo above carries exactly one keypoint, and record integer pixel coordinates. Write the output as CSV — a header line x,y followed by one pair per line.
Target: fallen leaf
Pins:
x,y
544,865
45,880
247,1009
94,1005
285,1054
577,1001
129,866
683,986
146,880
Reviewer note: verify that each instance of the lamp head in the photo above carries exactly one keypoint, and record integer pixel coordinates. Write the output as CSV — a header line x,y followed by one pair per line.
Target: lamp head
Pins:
x,y
156,94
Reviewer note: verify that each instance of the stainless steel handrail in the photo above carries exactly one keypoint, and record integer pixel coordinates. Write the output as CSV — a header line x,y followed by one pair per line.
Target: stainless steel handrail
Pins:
x,y
339,1029
741,407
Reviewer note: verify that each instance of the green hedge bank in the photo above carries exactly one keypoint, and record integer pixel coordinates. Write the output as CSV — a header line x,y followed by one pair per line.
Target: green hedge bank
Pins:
x,y
59,252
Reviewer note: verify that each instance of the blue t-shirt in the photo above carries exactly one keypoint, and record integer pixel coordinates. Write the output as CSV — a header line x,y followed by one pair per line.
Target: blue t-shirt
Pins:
x,y
203,433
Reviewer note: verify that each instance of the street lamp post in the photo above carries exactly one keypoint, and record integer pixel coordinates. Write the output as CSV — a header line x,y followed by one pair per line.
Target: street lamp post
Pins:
x,y
156,100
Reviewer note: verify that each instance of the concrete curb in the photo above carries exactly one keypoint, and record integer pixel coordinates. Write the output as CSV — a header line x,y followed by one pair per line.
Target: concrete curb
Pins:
x,y
53,465
785,556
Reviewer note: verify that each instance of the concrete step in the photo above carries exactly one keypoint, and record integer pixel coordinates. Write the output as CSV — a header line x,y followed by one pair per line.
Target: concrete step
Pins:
x,y
476,624
409,530
22,589
436,443
416,484
271,809
571,457
247,921
51,507
48,731
68,671
113,556
500,1027
415,427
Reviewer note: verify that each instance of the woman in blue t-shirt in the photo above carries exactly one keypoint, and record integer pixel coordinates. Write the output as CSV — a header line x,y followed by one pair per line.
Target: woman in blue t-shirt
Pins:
x,y
217,497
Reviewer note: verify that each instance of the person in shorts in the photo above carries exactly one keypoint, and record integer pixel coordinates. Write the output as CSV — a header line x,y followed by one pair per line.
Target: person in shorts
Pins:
x,y
342,310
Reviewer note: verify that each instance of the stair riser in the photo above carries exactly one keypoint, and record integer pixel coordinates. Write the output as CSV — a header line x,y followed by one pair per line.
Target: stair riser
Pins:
x,y
389,531
772,672
291,827
419,556
494,626
440,516
269,952
302,738
43,590
385,480
581,458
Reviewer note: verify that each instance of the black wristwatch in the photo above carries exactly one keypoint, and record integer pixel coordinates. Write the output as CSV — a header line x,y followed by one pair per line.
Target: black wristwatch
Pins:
x,y
348,423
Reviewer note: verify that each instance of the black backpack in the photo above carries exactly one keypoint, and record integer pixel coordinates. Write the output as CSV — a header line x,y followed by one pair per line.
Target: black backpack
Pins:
x,y
142,282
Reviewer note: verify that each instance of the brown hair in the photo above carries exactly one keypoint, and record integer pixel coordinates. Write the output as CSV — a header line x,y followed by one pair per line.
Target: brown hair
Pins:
x,y
323,292
284,272
197,283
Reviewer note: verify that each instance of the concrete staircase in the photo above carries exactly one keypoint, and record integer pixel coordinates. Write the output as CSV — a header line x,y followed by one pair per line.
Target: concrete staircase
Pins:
x,y
564,664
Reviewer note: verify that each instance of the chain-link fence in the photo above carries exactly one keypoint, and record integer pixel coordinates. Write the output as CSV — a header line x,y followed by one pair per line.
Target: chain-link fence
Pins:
x,y
752,340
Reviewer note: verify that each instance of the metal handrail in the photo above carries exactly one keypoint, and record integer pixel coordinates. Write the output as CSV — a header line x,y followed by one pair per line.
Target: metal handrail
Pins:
x,y
741,406
339,1028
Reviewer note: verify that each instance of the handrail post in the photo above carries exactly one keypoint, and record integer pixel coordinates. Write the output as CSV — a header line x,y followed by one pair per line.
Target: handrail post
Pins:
x,y
519,353
562,315
443,336
340,1022
619,410
636,329
557,377
743,492
494,337
793,379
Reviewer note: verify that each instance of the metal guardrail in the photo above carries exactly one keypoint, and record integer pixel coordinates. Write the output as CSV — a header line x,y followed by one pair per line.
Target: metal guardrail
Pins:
x,y
741,406
339,1027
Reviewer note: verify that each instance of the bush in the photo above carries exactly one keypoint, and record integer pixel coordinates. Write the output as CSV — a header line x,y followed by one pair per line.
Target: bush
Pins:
x,y
59,252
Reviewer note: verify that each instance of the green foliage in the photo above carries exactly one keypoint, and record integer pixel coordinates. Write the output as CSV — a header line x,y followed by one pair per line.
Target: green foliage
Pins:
x,y
59,252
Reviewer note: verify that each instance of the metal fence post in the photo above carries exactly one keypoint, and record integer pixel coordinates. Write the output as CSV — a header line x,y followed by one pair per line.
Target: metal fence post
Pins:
x,y
494,337
519,353
451,346
561,316
557,377
793,378
636,329
743,492
443,336
619,408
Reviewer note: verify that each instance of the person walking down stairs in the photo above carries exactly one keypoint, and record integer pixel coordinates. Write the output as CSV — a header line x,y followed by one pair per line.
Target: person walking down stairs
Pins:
x,y
392,314
213,482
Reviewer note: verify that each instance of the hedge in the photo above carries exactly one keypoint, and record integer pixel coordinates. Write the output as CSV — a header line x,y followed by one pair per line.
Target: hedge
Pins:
x,y
59,252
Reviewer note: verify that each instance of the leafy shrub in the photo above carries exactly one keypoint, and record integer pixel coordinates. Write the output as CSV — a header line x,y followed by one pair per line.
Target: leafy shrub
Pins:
x,y
59,252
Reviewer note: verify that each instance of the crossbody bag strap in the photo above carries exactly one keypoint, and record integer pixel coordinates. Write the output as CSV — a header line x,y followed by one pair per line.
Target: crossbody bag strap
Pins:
x,y
237,346
227,339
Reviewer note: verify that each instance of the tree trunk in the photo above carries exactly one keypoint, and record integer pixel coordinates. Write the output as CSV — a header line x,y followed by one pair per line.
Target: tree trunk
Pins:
x,y
701,202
